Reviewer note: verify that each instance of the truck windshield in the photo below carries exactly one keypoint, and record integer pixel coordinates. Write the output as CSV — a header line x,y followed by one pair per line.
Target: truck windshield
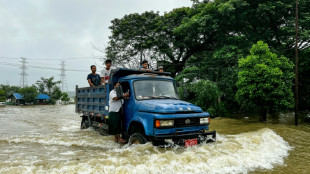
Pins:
x,y
154,89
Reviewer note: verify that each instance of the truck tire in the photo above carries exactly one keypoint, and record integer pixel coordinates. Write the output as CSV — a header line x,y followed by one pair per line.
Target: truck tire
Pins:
x,y
84,123
137,138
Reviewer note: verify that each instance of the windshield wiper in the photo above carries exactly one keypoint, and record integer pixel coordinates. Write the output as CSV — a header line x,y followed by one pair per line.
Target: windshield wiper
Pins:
x,y
150,97
163,96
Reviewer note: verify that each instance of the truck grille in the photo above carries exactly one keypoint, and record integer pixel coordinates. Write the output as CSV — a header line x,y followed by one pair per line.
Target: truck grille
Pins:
x,y
185,122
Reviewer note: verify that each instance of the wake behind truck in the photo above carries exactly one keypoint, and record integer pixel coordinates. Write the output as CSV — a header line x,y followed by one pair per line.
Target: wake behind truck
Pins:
x,y
152,113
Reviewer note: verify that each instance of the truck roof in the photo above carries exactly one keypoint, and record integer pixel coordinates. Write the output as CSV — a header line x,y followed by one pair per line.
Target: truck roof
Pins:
x,y
116,74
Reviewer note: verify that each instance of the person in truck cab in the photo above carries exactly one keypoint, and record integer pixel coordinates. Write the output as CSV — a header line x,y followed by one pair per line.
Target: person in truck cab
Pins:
x,y
145,66
93,78
161,69
105,72
115,114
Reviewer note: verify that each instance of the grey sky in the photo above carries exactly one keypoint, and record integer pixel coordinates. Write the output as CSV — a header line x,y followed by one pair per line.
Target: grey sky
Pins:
x,y
60,29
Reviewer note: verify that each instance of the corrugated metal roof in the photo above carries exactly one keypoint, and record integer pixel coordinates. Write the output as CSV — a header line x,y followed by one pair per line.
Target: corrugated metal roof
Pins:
x,y
39,97
43,96
17,96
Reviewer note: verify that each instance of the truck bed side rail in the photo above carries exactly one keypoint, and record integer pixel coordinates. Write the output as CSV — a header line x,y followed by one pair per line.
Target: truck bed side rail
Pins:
x,y
92,101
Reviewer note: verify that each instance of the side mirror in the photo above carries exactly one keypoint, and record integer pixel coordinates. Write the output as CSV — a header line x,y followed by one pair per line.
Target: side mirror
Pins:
x,y
119,92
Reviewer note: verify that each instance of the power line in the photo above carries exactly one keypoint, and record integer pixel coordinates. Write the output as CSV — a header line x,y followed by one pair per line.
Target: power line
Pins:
x,y
40,67
70,58
9,58
10,64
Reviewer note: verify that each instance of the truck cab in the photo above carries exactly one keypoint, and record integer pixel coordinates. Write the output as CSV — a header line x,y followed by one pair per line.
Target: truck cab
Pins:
x,y
153,112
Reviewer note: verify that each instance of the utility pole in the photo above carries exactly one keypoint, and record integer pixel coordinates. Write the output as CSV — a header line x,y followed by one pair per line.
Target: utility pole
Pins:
x,y
64,87
141,57
23,74
296,64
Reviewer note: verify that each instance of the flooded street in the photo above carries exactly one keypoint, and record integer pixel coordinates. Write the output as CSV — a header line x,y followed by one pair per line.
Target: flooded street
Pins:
x,y
48,139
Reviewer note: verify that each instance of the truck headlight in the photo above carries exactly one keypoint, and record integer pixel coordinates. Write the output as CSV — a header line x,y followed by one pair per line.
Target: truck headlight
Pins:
x,y
204,120
164,123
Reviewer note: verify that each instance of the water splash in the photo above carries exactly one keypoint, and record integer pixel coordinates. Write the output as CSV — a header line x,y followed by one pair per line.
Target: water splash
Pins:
x,y
87,152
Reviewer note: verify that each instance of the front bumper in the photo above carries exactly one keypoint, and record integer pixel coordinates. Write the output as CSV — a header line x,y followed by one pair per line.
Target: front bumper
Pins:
x,y
179,139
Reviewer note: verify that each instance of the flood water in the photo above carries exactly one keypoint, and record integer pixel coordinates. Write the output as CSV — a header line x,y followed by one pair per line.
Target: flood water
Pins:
x,y
47,139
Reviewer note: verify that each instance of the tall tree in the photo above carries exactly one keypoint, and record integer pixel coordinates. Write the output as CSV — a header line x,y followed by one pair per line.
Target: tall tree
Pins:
x,y
2,95
265,81
238,24
304,79
8,90
173,45
49,86
29,93
155,35
219,66
132,37
65,97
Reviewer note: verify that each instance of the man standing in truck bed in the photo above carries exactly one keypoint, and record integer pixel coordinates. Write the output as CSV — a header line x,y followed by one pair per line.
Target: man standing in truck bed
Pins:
x,y
145,66
105,72
93,78
115,104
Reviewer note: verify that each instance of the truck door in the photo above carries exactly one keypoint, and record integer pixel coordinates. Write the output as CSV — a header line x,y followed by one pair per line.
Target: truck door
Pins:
x,y
127,106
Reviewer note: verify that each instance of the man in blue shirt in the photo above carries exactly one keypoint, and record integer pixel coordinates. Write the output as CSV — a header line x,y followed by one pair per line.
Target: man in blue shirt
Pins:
x,y
93,78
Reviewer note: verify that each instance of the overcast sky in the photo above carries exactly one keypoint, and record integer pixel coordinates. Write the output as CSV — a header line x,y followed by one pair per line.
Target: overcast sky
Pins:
x,y
47,31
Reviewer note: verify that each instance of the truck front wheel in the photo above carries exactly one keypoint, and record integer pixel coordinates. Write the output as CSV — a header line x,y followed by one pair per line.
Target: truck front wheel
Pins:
x,y
137,138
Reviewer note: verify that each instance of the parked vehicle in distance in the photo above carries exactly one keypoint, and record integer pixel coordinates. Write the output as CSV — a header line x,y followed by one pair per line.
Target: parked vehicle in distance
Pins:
x,y
152,113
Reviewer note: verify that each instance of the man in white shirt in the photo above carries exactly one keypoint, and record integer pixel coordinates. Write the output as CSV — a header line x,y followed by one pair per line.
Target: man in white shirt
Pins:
x,y
115,105
105,72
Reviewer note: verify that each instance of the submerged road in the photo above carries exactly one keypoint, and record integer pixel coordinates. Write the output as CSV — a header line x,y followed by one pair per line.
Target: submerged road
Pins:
x,y
47,139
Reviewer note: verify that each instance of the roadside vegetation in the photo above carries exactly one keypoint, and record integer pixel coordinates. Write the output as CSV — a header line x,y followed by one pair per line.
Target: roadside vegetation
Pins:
x,y
43,86
231,56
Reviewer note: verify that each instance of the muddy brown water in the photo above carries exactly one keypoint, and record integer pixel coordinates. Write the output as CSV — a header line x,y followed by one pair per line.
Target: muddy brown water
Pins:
x,y
47,139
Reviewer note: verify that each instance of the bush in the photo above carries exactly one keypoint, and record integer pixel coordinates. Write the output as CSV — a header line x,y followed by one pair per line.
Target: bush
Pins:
x,y
203,93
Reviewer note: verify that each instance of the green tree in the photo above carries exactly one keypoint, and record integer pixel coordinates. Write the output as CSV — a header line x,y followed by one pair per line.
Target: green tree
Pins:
x,y
29,93
8,90
65,97
132,37
153,36
174,46
203,93
304,79
49,86
220,67
211,36
247,22
55,94
2,95
265,81
232,26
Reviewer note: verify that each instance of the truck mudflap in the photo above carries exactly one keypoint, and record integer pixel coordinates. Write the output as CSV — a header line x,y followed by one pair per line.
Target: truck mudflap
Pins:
x,y
188,139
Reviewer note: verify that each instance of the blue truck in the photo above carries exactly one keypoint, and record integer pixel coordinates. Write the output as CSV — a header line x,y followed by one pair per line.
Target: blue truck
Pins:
x,y
152,113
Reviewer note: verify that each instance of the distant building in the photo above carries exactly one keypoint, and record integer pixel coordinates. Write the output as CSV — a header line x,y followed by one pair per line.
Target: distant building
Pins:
x,y
17,99
42,98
